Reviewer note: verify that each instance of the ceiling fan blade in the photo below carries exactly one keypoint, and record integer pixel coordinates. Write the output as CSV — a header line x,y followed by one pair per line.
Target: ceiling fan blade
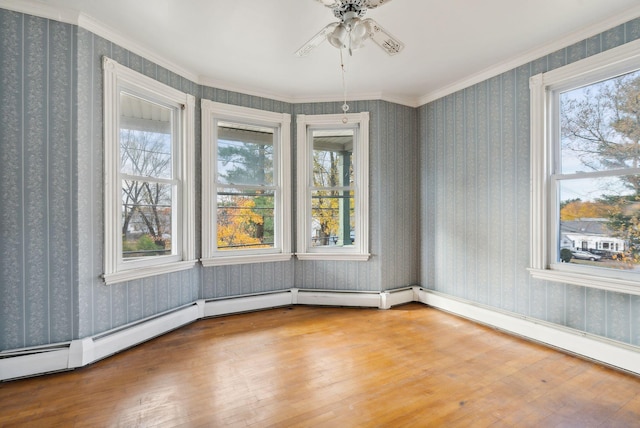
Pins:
x,y
372,4
316,40
331,3
383,38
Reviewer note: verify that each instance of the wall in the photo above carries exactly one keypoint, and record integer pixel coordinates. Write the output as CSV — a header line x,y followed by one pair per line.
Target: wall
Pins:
x,y
38,237
393,205
51,188
475,207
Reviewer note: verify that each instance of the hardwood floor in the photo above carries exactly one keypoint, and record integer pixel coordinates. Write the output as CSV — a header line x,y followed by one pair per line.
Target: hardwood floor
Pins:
x,y
303,366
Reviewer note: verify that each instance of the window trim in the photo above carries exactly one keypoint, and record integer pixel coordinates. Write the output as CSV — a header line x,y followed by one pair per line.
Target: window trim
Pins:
x,y
212,111
360,251
117,76
543,229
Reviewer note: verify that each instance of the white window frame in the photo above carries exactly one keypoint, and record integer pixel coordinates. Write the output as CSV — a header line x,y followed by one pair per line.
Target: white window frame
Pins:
x,y
545,89
117,78
359,251
281,251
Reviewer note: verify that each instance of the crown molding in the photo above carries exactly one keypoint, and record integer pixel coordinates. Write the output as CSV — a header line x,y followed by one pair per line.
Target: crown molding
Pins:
x,y
96,27
364,96
292,99
42,10
69,16
36,8
531,55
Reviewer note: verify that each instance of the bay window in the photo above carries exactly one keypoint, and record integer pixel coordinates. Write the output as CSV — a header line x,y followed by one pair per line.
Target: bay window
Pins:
x,y
149,206
246,185
333,177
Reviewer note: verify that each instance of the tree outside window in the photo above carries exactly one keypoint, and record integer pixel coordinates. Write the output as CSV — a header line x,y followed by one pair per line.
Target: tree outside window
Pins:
x,y
598,171
333,187
332,197
245,198
146,204
246,185
149,159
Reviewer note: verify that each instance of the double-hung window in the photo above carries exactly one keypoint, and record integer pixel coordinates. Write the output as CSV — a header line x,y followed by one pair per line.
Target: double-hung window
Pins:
x,y
149,206
333,187
246,185
585,166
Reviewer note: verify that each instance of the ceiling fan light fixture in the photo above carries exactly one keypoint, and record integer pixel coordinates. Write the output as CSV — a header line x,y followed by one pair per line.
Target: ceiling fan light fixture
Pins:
x,y
339,36
358,28
352,30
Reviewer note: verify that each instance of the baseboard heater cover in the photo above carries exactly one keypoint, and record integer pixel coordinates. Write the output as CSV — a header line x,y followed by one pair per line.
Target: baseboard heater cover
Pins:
x,y
36,363
81,352
298,296
102,346
337,298
255,302
88,350
608,352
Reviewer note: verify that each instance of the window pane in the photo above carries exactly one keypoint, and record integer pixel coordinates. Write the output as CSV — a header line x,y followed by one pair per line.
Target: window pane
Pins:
x,y
599,125
332,206
600,222
146,218
332,218
332,158
245,219
145,138
245,154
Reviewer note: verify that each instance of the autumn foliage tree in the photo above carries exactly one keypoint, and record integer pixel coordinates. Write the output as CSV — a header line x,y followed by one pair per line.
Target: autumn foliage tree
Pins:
x,y
325,203
245,216
237,224
577,209
332,200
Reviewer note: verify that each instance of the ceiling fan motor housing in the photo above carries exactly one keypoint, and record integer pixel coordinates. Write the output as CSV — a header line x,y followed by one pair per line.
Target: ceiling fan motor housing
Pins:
x,y
349,9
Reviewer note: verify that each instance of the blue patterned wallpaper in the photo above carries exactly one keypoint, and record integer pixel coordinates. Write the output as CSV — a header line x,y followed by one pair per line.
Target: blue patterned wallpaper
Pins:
x,y
475,209
38,240
100,307
393,205
51,185
454,218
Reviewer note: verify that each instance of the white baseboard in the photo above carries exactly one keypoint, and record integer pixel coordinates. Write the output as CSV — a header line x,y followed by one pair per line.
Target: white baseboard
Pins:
x,y
606,351
85,351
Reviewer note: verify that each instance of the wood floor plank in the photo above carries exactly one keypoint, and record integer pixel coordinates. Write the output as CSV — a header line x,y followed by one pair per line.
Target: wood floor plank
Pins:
x,y
308,366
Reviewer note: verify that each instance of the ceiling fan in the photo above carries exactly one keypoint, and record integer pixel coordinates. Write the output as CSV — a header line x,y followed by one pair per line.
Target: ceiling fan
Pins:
x,y
351,31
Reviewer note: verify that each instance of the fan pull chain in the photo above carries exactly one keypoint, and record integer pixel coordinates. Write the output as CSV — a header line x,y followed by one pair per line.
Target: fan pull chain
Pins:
x,y
345,106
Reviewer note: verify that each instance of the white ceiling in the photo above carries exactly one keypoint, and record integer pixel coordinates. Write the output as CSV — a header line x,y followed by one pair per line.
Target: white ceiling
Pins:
x,y
249,45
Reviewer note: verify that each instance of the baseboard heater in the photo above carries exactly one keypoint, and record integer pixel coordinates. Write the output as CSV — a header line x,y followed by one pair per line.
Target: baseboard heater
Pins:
x,y
81,352
77,353
34,361
300,296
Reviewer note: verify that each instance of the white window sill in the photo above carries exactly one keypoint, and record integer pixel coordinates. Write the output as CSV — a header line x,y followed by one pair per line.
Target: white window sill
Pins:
x,y
244,259
357,257
132,274
587,280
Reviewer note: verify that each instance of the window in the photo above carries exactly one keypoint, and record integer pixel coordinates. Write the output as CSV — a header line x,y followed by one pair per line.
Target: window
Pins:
x,y
148,137
246,185
585,164
333,185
